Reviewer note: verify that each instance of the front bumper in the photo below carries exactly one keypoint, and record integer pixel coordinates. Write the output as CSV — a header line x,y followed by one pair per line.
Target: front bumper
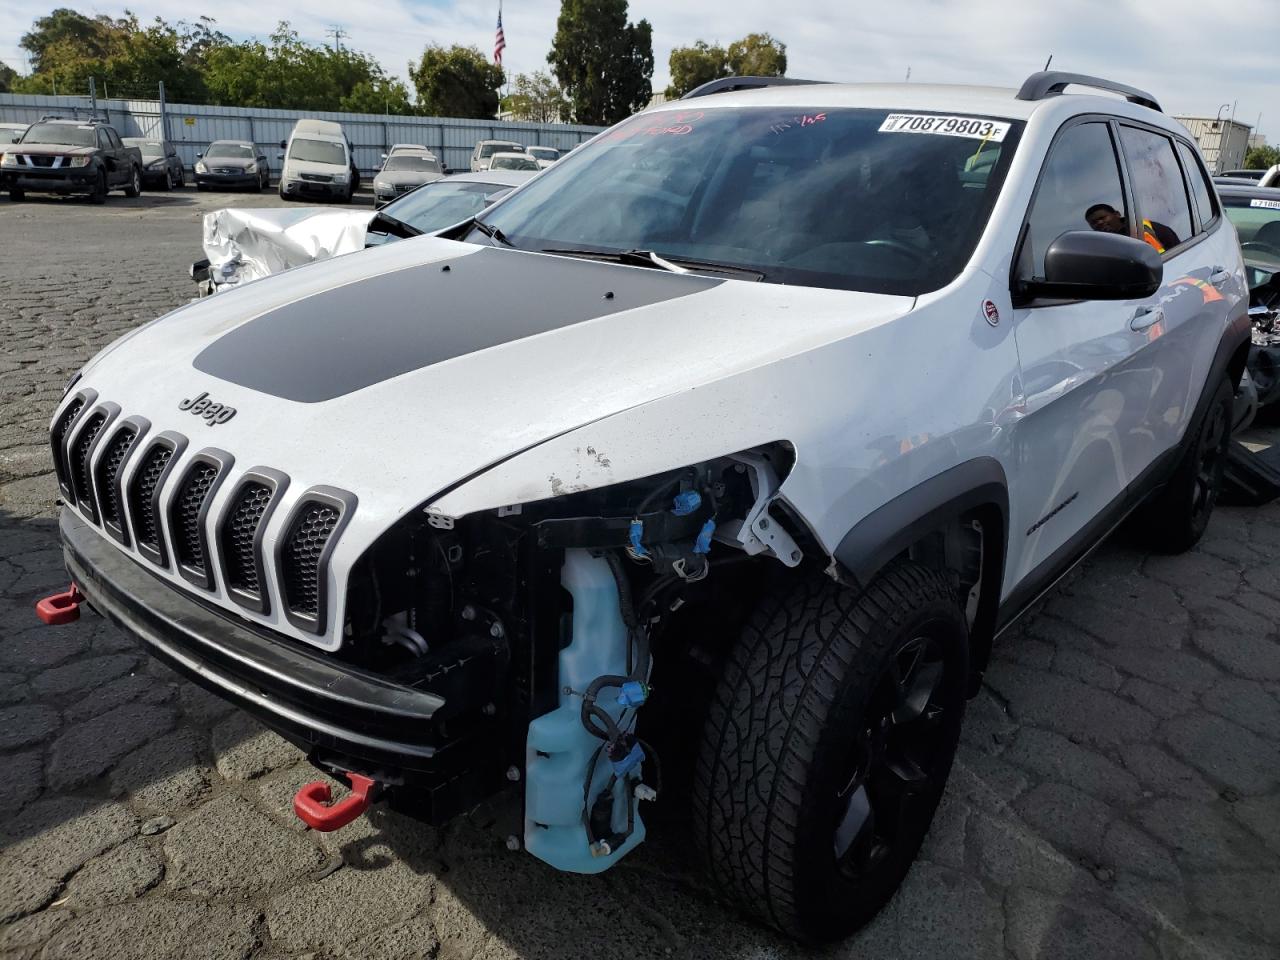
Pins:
x,y
344,717
78,180
310,188
226,179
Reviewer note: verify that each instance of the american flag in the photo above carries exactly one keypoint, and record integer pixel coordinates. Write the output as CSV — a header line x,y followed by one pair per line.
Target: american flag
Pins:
x,y
499,40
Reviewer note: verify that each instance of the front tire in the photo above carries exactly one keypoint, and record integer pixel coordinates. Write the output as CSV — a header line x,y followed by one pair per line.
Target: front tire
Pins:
x,y
16,195
827,746
134,187
1176,518
168,180
99,194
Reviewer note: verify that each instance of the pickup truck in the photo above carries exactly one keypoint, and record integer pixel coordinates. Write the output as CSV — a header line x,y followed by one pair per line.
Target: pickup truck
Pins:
x,y
67,156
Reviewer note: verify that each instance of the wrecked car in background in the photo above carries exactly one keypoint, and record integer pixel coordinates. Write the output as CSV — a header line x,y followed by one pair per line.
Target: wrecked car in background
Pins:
x,y
705,466
243,244
1255,212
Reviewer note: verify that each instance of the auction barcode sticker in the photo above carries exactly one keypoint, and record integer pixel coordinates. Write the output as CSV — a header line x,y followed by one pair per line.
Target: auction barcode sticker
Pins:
x,y
973,127
1269,204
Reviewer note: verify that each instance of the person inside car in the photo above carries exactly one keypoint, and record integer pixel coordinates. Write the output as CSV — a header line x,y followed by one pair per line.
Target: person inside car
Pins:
x,y
1107,219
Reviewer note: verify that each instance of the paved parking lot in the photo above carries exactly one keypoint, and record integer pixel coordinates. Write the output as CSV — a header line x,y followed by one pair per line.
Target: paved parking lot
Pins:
x,y
1117,794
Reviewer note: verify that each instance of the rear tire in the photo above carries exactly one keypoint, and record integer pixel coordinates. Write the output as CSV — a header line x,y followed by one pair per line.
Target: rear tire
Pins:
x,y
827,746
168,180
1175,519
17,196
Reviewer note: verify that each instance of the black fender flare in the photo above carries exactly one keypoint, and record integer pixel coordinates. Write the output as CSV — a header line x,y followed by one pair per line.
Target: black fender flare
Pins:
x,y
894,526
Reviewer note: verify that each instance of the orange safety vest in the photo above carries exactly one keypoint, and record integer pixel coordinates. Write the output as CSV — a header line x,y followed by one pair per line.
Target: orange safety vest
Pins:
x,y
1149,236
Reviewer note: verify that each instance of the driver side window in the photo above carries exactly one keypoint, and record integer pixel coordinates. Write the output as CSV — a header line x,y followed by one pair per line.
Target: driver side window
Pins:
x,y
1080,189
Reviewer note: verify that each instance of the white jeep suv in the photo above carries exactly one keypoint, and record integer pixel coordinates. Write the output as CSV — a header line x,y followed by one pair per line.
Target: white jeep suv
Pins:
x,y
732,439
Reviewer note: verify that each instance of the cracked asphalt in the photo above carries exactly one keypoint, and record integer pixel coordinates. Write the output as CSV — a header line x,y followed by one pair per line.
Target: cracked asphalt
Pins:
x,y
1117,793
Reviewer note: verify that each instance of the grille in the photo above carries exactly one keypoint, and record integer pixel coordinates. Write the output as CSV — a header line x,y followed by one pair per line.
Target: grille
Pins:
x,y
238,534
188,539
317,177
306,540
56,437
80,477
109,473
40,161
145,522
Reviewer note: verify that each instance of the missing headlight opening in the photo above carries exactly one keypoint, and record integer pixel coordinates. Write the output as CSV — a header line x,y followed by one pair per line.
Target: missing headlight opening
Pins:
x,y
552,630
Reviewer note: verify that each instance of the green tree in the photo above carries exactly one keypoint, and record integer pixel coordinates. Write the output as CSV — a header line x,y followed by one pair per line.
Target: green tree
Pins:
x,y
378,95
604,63
693,66
537,99
757,55
456,81
7,76
65,32
1261,158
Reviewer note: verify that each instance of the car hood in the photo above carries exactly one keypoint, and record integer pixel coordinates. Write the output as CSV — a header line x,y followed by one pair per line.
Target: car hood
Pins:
x,y
226,163
44,149
397,373
397,177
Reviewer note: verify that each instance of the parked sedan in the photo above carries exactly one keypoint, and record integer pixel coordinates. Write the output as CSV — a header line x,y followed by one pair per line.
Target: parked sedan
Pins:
x,y
160,164
514,161
545,156
404,171
232,163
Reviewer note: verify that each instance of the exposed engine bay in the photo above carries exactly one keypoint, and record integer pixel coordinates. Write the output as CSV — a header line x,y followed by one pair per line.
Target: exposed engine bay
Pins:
x,y
540,625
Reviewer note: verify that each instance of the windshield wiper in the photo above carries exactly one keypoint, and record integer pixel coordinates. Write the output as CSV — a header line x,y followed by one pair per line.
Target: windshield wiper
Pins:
x,y
651,258
393,226
492,232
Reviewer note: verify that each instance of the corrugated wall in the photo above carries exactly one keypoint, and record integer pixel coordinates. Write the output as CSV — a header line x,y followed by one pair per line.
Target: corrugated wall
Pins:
x,y
192,127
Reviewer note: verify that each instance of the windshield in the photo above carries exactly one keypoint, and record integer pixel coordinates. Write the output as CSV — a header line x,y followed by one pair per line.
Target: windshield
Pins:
x,y
489,149
229,151
545,153
420,164
442,203
149,148
850,199
514,163
65,134
318,151
1257,221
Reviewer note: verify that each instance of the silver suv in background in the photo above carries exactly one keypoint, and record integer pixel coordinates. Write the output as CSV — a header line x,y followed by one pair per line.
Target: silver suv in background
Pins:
x,y
482,155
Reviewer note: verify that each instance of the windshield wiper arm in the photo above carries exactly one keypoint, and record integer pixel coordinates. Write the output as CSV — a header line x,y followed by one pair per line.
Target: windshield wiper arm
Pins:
x,y
492,232
651,258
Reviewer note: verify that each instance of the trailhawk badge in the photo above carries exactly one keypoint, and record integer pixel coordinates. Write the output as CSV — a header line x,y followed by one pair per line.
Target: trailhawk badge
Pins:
x,y
202,406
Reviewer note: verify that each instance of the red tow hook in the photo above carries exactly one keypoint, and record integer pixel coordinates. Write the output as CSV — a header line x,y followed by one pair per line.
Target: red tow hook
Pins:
x,y
61,608
309,803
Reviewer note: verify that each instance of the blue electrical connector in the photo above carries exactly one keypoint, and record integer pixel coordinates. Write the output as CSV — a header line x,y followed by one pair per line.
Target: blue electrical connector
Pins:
x,y
633,694
637,531
686,502
703,543
633,759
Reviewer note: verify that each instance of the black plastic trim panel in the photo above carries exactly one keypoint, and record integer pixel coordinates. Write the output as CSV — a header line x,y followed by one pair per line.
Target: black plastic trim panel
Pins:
x,y
59,433
82,480
175,443
221,461
119,528
345,503
277,482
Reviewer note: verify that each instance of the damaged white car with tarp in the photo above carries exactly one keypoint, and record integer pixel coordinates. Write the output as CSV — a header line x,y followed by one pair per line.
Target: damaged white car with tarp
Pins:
x,y
703,469
248,243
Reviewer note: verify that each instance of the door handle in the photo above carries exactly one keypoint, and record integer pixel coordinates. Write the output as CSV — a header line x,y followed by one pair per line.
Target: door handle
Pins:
x,y
1219,276
1146,317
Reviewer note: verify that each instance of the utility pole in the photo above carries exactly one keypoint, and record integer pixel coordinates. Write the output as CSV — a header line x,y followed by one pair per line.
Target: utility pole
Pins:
x,y
337,33
907,79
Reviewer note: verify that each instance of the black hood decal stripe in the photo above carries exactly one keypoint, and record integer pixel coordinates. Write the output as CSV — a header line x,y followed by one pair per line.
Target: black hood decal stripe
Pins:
x,y
342,340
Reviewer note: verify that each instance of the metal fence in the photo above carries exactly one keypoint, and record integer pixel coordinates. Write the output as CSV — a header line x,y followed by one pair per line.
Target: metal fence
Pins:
x,y
191,128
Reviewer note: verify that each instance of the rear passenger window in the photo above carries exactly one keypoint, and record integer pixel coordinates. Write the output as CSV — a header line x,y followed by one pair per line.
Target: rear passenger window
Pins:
x,y
1080,189
1158,190
1200,192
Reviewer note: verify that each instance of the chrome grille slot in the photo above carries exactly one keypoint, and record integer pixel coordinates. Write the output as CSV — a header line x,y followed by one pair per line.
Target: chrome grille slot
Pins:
x,y
303,554
79,462
189,511
61,430
143,495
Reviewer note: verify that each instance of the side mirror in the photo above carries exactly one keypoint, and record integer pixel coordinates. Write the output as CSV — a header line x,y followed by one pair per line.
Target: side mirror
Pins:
x,y
1088,265
383,155
17,138
279,156
283,144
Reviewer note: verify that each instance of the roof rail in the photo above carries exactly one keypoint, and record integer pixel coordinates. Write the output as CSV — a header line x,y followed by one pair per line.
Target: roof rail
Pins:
x,y
74,116
1051,83
728,84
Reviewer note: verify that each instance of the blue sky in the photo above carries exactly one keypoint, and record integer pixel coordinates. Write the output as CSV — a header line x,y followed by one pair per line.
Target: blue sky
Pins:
x,y
1193,56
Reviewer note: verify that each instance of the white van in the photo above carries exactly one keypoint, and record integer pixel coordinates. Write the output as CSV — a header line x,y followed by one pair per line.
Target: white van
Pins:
x,y
317,162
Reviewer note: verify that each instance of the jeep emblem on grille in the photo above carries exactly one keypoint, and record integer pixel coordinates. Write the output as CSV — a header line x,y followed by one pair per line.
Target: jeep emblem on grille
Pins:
x,y
212,412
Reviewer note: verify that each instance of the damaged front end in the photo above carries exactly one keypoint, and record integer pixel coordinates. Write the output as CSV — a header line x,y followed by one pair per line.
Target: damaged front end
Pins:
x,y
510,650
